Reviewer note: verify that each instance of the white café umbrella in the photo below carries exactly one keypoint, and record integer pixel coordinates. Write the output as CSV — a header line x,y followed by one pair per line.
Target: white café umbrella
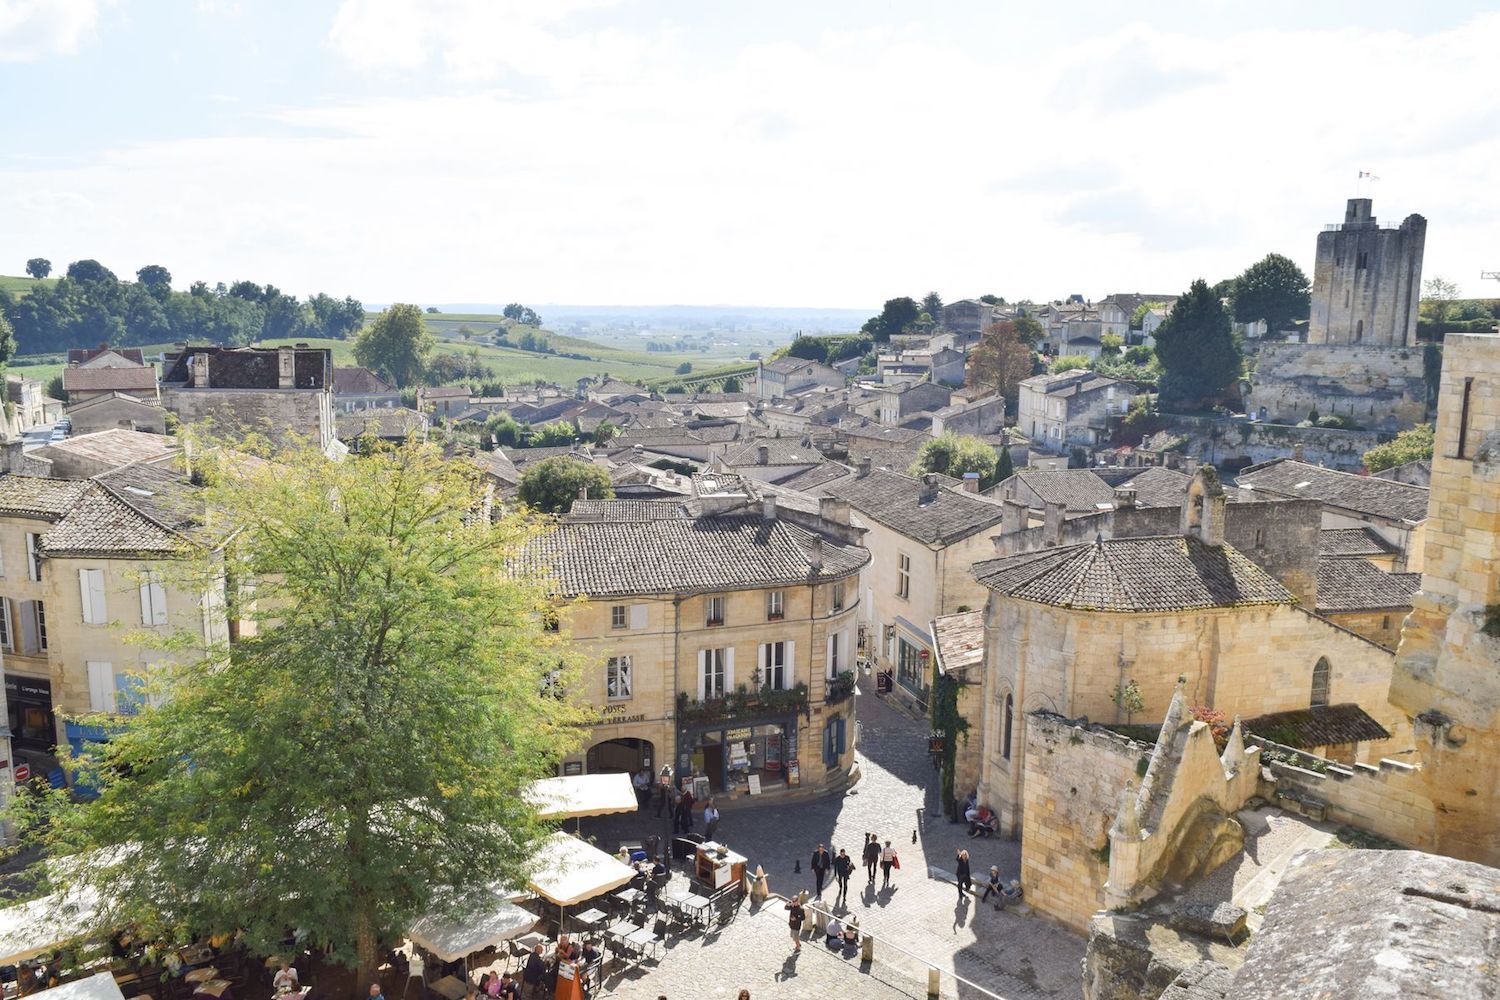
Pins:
x,y
98,987
492,918
582,795
43,925
569,871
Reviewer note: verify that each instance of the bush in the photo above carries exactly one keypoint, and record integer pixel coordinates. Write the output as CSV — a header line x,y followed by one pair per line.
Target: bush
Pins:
x,y
1140,355
1068,362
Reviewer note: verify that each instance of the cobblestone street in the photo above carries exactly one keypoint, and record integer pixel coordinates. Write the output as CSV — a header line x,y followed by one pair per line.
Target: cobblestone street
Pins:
x,y
1017,957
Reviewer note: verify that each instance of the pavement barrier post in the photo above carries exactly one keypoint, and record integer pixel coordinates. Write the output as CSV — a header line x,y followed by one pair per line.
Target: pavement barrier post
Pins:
x,y
867,948
934,979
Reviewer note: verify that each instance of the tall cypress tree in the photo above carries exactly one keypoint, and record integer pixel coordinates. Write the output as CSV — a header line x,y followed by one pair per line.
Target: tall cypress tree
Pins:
x,y
1197,349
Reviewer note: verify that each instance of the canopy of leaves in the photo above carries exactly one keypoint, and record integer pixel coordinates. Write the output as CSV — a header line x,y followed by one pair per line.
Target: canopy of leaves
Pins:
x,y
1029,329
932,305
358,757
552,484
1199,356
1068,362
396,345
808,348
524,315
39,267
895,317
1001,360
1409,446
955,454
992,300
1273,289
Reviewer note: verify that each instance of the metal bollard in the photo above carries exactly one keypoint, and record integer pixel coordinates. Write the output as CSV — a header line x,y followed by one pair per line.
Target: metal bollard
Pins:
x,y
933,982
867,948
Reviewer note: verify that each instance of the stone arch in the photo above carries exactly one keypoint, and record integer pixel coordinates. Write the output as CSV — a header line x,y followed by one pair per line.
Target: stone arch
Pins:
x,y
625,753
1322,677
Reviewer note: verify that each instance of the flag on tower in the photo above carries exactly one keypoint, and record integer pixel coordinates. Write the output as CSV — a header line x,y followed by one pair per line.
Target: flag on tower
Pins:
x,y
1366,175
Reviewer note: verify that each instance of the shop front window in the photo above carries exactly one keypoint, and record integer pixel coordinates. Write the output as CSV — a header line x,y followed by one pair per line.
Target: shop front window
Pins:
x,y
910,670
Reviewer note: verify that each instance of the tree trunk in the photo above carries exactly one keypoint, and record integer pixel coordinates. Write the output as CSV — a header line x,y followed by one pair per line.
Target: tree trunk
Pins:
x,y
364,945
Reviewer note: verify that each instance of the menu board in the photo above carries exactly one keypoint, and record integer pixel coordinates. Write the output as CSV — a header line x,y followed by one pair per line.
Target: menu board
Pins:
x,y
773,753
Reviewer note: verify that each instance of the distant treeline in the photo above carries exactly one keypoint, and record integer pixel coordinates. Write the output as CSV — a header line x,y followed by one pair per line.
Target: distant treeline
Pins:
x,y
91,306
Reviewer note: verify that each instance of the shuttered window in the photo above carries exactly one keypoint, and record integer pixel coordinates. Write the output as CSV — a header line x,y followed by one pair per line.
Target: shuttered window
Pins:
x,y
153,603
91,592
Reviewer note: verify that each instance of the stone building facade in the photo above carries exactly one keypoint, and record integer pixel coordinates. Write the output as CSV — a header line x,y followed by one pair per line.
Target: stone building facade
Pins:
x,y
279,392
1071,408
1446,680
720,630
1367,281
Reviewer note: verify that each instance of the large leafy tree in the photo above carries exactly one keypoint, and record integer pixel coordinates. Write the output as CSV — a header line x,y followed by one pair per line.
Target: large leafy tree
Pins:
x,y
396,345
552,484
39,267
360,758
156,278
1410,445
1196,348
1273,289
895,316
808,348
955,454
1001,360
932,305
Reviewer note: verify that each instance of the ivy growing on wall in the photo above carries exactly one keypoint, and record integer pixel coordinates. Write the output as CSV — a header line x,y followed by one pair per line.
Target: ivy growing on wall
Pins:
x,y
946,720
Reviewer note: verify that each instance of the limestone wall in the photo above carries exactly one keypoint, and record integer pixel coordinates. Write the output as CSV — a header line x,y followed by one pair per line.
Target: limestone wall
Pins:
x,y
276,413
1380,388
1388,798
1241,442
1073,780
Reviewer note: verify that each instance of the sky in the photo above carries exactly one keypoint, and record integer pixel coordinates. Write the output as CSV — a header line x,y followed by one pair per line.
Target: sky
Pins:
x,y
780,153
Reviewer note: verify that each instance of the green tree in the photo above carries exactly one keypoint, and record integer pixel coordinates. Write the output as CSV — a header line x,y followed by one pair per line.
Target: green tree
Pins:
x,y
932,305
1128,699
8,343
1110,344
1006,467
685,368
54,387
895,316
605,433
88,271
1068,362
396,345
808,348
955,454
359,757
992,300
333,318
1029,329
1438,297
1273,289
1001,360
731,384
39,267
1138,317
1199,357
1411,445
155,277
552,484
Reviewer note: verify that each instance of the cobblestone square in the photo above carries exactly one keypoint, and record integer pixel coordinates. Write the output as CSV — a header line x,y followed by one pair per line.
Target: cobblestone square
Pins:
x,y
1013,956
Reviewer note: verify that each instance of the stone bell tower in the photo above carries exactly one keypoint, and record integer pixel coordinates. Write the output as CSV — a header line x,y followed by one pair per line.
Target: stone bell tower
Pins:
x,y
1447,676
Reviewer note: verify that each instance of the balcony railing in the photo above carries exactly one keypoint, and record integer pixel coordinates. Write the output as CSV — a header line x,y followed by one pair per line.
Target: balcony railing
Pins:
x,y
743,702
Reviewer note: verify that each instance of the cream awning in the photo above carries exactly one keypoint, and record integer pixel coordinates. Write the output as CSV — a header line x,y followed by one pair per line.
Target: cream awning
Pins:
x,y
582,795
569,871
489,922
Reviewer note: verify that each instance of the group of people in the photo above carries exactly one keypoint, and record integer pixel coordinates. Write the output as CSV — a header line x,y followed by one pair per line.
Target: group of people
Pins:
x,y
679,803
1004,894
539,977
983,821
837,934
872,855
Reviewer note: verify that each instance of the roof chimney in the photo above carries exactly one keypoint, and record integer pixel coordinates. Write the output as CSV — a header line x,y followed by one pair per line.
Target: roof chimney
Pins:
x,y
833,509
864,466
1013,516
762,455
768,508
1052,525
1298,455
1190,466
971,482
1124,498
583,492
815,554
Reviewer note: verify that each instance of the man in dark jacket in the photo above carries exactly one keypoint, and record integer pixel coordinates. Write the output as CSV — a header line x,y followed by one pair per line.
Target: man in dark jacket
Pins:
x,y
871,855
843,867
535,974
821,862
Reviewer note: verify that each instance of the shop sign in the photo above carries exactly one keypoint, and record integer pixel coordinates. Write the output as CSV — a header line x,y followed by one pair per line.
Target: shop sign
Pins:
x,y
25,687
793,773
615,715
734,735
937,742
572,767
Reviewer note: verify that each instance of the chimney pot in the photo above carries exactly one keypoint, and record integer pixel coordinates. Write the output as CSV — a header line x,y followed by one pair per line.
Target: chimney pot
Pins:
x,y
1052,525
1298,455
762,455
864,466
971,482
815,555
1124,497
768,508
834,510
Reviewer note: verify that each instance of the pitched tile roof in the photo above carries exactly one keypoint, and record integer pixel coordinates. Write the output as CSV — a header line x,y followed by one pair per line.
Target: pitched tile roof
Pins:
x,y
359,380
960,641
1359,585
101,523
1353,542
807,479
1148,574
1362,494
82,355
36,496
1076,489
704,554
779,451
161,493
107,379
625,510
1319,726
932,515
382,421
116,445
1160,487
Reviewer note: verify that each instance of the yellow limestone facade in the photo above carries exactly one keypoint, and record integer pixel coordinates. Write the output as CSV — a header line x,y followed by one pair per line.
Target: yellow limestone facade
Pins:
x,y
1447,676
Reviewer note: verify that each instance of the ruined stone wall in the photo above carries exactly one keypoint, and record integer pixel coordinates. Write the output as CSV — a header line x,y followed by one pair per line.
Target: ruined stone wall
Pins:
x,y
1073,780
1379,388
1387,798
1239,442
277,413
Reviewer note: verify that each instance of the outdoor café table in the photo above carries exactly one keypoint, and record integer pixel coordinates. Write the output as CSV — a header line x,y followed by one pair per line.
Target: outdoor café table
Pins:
x,y
451,987
531,940
699,905
218,989
201,975
630,896
642,939
590,917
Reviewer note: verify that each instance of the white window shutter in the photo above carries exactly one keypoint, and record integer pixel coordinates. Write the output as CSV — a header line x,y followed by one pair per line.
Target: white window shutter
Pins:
x,y
828,670
86,596
10,636
101,686
637,616
728,669
791,664
147,614
96,584
158,595
703,655
763,660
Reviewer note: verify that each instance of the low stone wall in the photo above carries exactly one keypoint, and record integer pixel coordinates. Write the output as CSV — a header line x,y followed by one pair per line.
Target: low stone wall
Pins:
x,y
1381,387
1225,441
1074,774
1388,798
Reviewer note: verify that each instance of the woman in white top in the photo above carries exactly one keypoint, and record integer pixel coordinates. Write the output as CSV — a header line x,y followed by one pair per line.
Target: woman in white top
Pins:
x,y
285,981
887,861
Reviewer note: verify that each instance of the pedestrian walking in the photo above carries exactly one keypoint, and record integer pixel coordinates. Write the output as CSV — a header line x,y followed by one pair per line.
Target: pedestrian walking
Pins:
x,y
888,860
642,782
664,791
710,819
794,922
821,862
685,812
872,855
965,879
843,867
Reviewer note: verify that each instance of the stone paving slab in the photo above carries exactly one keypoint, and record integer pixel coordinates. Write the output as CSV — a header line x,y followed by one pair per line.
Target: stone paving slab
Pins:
x,y
1016,957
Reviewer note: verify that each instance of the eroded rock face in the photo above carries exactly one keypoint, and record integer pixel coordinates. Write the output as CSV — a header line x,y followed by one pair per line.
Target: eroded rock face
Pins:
x,y
1374,924
1138,955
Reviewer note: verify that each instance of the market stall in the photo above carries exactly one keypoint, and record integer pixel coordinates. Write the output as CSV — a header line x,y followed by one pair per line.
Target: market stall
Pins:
x,y
716,866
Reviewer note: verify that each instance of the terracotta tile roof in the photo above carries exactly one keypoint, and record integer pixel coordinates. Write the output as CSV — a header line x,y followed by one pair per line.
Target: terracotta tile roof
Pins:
x,y
960,641
1076,489
705,554
1362,494
1148,574
932,515
1353,542
625,510
103,524
1359,585
1319,726
109,379
383,421
36,496
80,355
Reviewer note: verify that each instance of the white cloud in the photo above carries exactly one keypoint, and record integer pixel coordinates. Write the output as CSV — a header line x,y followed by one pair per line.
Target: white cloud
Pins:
x,y
31,29
838,170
